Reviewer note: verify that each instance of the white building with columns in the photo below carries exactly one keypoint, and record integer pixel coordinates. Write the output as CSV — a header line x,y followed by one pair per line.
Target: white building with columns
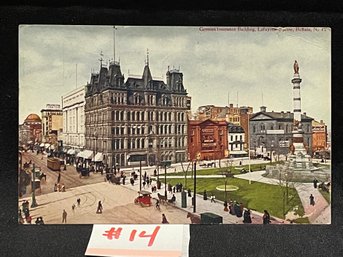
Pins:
x,y
73,104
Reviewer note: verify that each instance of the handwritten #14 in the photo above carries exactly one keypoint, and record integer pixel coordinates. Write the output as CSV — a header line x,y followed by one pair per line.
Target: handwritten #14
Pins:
x,y
114,233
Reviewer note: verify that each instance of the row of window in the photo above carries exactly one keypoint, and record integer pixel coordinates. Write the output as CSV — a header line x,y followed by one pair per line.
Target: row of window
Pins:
x,y
120,98
139,143
287,129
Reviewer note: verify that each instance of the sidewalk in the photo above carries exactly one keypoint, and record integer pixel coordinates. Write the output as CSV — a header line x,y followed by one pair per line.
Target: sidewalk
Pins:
x,y
205,206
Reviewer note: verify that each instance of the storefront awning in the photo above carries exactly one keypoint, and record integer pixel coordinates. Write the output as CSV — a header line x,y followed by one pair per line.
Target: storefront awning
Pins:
x,y
238,152
87,154
98,157
42,145
71,151
79,154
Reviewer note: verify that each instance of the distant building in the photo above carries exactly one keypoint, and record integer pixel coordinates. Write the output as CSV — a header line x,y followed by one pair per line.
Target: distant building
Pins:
x,y
229,113
140,119
207,140
52,123
271,132
320,136
30,131
73,104
236,141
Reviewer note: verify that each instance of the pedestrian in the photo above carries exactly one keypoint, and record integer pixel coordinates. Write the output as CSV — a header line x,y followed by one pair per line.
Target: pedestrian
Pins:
x,y
189,192
246,216
315,183
41,222
124,179
99,209
37,221
164,219
29,219
213,197
205,195
312,200
143,184
64,216
155,173
225,206
59,177
78,201
73,207
266,217
240,163
157,204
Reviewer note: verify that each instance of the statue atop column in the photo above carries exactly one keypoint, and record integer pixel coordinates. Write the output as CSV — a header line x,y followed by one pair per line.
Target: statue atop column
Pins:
x,y
296,67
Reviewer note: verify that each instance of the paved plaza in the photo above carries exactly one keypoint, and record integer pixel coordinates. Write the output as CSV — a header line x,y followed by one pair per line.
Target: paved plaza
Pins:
x,y
118,200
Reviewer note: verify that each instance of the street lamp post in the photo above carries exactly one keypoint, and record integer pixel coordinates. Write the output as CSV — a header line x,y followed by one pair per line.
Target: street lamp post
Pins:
x,y
96,148
271,151
33,187
140,175
165,163
195,184
165,179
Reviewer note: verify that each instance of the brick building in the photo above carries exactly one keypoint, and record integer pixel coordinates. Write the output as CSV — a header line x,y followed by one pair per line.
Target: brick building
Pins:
x,y
319,136
207,140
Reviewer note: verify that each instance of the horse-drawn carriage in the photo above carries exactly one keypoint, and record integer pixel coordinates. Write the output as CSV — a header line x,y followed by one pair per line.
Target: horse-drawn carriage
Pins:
x,y
144,198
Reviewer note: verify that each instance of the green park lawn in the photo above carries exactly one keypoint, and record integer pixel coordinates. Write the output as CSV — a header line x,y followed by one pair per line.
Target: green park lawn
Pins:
x,y
256,196
217,171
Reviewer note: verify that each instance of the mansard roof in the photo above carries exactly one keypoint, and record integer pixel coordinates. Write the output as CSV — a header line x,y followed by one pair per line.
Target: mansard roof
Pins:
x,y
235,128
112,77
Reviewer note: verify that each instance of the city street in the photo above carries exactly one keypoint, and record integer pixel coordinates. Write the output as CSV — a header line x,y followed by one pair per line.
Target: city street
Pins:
x,y
118,207
70,177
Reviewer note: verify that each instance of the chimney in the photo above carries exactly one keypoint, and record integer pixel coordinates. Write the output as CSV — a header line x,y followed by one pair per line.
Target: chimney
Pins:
x,y
263,109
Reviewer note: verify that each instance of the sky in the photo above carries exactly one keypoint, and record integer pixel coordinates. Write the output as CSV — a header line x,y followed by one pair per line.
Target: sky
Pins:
x,y
245,66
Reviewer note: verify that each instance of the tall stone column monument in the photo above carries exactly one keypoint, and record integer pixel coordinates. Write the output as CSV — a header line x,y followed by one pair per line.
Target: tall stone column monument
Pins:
x,y
298,154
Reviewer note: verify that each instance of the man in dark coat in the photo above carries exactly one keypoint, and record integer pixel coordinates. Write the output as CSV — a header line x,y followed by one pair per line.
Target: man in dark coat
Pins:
x,y
246,216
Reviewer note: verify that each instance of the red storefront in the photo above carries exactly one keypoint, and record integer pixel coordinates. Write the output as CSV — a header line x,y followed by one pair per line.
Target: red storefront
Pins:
x,y
207,140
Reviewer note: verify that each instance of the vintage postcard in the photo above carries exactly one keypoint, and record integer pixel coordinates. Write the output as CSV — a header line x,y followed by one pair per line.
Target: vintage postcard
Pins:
x,y
174,125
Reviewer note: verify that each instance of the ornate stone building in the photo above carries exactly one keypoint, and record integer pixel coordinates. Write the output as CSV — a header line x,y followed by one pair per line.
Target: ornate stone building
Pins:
x,y
271,132
31,130
140,119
